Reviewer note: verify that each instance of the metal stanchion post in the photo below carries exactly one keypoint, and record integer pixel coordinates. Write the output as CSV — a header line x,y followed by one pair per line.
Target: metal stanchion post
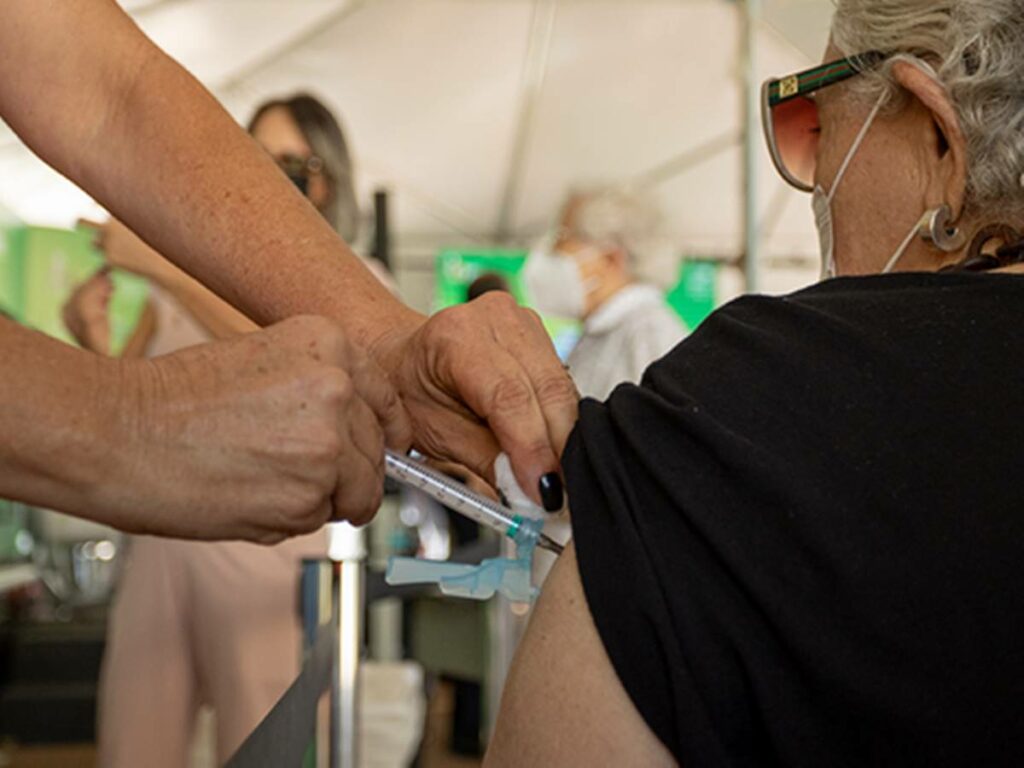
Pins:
x,y
348,552
506,624
316,600
316,618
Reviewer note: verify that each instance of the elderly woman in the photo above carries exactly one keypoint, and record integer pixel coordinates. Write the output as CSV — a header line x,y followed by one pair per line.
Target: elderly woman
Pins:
x,y
798,542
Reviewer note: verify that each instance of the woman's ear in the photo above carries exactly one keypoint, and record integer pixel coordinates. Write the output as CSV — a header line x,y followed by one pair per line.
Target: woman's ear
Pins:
x,y
950,145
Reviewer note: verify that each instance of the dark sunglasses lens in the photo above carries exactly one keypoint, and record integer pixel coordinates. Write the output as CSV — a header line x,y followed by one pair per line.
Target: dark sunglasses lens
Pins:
x,y
295,169
796,128
301,181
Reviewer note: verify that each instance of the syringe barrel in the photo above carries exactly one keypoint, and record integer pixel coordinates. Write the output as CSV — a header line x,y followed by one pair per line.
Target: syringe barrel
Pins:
x,y
451,493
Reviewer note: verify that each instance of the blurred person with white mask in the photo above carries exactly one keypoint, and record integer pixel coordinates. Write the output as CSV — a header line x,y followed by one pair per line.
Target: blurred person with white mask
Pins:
x,y
606,268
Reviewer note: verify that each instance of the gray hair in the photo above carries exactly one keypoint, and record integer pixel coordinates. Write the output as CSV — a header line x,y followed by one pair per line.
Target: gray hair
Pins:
x,y
977,50
618,218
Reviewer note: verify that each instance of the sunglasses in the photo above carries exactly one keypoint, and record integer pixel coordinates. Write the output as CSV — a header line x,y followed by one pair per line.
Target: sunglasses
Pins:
x,y
789,114
300,169
300,166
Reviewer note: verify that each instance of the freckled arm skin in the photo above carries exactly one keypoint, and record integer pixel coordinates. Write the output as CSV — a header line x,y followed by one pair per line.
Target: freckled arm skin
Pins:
x,y
100,103
57,410
95,99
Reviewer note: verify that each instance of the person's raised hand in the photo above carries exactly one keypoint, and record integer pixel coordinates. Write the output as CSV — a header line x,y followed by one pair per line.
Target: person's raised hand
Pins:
x,y
269,435
482,378
86,313
123,249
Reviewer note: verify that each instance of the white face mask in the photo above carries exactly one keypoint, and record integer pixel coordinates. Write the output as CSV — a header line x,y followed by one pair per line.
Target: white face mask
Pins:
x,y
822,202
554,283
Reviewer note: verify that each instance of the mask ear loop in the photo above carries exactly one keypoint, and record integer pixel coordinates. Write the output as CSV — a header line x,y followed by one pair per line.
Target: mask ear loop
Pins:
x,y
915,232
935,228
855,146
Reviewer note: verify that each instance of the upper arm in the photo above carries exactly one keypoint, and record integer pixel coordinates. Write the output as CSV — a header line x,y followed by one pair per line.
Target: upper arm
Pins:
x,y
563,703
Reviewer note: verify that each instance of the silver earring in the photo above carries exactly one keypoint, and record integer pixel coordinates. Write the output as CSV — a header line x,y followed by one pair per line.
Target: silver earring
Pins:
x,y
937,228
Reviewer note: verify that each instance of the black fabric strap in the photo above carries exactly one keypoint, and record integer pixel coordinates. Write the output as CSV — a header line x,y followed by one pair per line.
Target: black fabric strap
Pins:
x,y
285,734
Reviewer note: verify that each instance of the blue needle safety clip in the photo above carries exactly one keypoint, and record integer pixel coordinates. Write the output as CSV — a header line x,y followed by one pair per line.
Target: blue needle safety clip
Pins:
x,y
507,576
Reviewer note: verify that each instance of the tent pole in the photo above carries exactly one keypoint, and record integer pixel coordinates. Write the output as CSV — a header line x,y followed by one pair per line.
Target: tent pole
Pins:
x,y
535,67
269,58
751,91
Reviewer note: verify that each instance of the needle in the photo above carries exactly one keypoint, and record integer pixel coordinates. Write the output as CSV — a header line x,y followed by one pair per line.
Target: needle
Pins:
x,y
460,498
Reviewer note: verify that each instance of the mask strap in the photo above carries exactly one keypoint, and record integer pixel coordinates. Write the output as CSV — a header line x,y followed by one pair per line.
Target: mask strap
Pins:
x,y
856,145
934,228
904,245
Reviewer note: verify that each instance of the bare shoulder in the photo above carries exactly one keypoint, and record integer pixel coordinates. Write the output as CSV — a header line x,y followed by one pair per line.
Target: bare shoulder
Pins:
x,y
563,703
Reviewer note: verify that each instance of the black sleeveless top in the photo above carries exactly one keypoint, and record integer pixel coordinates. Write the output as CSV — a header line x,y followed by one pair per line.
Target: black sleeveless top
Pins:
x,y
802,536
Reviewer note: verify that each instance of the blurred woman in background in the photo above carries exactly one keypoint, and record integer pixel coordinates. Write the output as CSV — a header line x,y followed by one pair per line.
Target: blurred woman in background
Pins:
x,y
196,623
308,144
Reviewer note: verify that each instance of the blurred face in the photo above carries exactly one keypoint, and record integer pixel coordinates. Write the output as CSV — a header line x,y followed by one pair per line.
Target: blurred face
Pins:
x,y
279,134
604,272
901,169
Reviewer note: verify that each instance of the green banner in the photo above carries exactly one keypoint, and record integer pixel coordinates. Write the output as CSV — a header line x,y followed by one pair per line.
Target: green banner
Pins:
x,y
39,269
693,297
457,269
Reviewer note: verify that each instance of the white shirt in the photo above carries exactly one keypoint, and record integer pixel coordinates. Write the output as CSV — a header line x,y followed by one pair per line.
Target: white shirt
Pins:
x,y
621,338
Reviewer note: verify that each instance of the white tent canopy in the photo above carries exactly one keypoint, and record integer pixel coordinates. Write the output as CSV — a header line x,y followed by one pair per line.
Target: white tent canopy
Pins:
x,y
478,115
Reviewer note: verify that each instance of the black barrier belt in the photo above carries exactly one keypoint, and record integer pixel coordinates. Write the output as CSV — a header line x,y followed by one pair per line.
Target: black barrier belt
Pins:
x,y
284,736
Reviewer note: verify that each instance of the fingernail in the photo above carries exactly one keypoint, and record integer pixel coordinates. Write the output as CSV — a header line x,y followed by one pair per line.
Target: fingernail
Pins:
x,y
551,492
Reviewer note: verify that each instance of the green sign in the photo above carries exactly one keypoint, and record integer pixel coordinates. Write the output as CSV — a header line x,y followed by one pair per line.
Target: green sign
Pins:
x,y
39,269
457,269
694,296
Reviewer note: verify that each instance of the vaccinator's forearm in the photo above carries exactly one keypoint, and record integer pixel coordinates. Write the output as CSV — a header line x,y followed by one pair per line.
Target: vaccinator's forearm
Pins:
x,y
60,422
97,100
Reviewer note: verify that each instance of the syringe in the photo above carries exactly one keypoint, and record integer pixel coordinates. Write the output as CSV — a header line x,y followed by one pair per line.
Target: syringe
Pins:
x,y
459,498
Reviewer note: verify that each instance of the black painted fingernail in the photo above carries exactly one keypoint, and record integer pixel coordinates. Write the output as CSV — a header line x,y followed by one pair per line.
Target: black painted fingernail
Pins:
x,y
551,492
